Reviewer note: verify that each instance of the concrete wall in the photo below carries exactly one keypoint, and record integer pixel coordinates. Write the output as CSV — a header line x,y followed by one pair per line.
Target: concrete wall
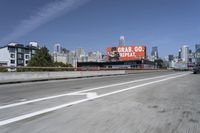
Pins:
x,y
28,76
34,76
144,71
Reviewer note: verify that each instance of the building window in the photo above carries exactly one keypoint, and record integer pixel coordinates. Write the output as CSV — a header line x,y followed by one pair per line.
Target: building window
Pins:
x,y
12,50
33,51
26,51
12,55
12,61
19,56
27,56
20,50
26,62
20,61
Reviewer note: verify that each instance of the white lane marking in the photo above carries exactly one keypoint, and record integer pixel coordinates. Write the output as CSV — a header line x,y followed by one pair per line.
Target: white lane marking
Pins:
x,y
82,91
89,94
19,118
92,95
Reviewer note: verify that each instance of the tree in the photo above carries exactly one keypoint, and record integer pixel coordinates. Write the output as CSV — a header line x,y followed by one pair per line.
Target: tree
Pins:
x,y
42,58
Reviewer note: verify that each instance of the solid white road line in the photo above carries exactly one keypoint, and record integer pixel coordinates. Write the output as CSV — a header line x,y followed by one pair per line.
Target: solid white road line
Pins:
x,y
19,118
82,91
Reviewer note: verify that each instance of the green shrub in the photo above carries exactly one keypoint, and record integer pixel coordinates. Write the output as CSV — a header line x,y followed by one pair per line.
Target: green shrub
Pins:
x,y
3,69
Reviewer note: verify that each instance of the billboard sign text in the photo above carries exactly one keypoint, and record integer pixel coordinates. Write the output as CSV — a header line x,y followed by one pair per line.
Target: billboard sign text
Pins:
x,y
122,53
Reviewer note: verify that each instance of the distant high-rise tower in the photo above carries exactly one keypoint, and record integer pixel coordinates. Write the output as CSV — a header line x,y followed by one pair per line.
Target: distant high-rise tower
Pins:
x,y
122,41
57,48
179,54
79,52
197,53
185,53
197,46
154,53
170,58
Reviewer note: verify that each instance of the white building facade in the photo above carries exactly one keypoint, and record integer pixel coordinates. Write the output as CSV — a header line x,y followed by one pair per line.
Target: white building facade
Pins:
x,y
14,54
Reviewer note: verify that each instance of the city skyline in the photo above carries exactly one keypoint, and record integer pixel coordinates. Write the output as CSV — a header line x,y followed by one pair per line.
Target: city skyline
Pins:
x,y
95,24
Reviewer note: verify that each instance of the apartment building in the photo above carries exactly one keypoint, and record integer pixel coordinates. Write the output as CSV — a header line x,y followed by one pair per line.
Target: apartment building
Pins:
x,y
13,54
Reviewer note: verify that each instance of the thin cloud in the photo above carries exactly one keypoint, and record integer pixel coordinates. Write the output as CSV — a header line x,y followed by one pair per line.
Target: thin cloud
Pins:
x,y
45,14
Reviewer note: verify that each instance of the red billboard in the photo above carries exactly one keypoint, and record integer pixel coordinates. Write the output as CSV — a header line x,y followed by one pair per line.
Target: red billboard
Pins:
x,y
123,53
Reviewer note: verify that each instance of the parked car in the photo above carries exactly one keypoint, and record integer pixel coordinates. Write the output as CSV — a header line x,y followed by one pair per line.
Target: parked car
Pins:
x,y
196,68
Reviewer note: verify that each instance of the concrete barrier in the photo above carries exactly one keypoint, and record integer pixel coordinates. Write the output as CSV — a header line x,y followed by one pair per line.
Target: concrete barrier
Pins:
x,y
37,76
144,71
14,77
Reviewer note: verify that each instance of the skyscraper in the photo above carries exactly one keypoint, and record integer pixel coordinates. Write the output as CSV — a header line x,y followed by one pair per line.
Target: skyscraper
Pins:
x,y
122,41
190,56
197,46
57,48
170,58
154,53
79,52
197,53
179,54
185,53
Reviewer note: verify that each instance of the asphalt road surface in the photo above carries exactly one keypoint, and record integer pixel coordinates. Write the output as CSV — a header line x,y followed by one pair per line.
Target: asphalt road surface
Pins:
x,y
160,102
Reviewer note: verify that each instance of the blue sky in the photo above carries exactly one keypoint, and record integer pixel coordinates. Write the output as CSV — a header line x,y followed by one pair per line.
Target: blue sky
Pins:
x,y
97,24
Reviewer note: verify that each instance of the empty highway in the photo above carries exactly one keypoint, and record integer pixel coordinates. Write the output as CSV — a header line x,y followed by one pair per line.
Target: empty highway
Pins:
x,y
159,102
